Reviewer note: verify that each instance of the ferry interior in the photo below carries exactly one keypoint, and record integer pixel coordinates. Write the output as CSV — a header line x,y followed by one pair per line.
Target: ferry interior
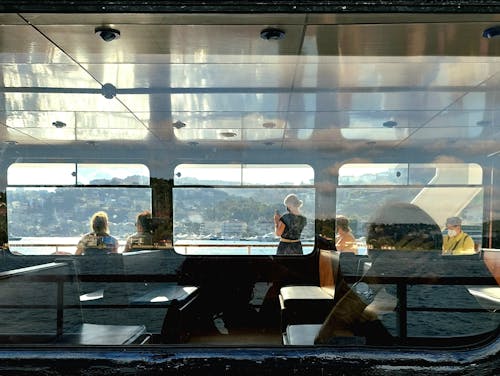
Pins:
x,y
208,122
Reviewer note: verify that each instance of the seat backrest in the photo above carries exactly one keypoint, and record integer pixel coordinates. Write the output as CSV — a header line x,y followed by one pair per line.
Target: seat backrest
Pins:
x,y
491,259
328,270
93,251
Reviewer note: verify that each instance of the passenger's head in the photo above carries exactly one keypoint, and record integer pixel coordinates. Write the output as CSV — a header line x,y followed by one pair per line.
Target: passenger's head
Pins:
x,y
292,201
403,226
143,221
342,223
99,223
454,226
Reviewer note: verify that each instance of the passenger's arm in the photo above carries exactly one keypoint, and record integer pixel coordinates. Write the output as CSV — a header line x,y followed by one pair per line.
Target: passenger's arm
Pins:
x,y
79,249
279,226
468,247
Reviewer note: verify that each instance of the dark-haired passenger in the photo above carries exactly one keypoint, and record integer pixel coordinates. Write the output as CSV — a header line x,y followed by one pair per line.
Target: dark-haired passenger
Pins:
x,y
144,233
344,239
99,239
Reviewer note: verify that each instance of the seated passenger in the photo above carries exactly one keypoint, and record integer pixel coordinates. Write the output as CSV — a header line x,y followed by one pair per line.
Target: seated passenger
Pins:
x,y
457,242
344,239
99,239
143,236
397,226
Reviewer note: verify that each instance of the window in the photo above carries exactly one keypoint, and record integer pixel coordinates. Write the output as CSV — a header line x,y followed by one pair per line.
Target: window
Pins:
x,y
49,205
234,215
442,190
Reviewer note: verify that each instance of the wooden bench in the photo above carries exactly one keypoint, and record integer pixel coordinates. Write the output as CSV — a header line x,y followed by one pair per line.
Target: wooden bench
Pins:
x,y
311,304
40,304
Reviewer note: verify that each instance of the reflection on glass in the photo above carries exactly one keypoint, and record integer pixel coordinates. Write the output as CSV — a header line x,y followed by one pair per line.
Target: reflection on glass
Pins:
x,y
113,174
410,174
41,174
359,204
243,174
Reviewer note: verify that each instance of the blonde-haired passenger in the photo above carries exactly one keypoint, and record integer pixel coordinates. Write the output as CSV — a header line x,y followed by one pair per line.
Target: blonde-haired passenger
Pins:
x,y
344,239
289,227
99,239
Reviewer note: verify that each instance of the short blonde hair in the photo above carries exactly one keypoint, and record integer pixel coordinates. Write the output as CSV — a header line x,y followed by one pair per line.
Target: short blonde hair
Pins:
x,y
99,223
292,201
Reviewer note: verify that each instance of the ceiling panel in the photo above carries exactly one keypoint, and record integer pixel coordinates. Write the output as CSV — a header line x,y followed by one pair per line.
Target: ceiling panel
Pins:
x,y
195,44
226,102
406,72
220,75
60,102
57,76
400,39
372,101
413,81
364,119
23,44
76,126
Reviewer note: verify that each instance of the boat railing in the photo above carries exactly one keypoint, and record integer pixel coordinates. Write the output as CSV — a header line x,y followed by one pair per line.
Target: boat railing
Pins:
x,y
180,247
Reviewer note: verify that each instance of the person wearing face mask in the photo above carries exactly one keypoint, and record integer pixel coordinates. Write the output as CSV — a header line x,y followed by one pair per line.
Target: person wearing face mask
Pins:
x,y
457,242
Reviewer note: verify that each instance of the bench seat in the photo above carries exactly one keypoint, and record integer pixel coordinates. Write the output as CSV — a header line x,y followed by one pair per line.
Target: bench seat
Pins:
x,y
166,293
311,304
97,334
300,335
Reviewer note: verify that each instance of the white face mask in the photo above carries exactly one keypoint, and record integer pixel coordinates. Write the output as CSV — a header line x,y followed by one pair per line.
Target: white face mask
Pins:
x,y
452,233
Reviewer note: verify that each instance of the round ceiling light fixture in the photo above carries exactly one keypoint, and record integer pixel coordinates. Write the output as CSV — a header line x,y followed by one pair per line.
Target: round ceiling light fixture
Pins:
x,y
178,124
272,33
491,32
389,124
58,124
108,91
483,123
107,33
228,134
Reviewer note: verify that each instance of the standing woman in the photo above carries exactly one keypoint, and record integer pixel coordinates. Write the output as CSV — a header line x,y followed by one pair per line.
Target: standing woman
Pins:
x,y
99,238
289,227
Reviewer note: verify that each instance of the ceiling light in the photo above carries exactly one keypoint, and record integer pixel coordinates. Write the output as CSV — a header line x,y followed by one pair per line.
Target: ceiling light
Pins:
x,y
228,134
389,124
491,32
107,34
269,125
483,123
58,124
108,91
178,124
272,33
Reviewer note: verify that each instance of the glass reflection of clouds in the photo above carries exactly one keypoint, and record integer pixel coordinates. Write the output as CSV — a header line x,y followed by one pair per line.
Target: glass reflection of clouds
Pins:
x,y
244,174
80,126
